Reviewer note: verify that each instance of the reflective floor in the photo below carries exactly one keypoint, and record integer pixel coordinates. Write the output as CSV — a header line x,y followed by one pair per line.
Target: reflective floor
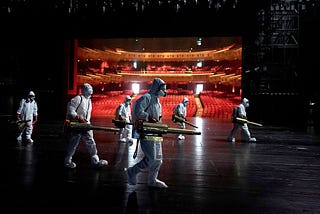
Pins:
x,y
280,173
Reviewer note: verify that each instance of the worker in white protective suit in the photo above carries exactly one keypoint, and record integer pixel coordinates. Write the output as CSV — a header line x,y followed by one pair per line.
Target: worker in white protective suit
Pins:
x,y
123,112
79,109
180,110
148,108
240,112
27,115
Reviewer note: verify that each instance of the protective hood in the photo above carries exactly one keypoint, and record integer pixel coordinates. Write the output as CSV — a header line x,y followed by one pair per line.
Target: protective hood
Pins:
x,y
128,99
31,94
245,102
86,90
157,83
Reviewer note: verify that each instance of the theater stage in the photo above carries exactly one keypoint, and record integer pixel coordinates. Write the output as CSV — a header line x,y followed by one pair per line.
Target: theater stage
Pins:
x,y
206,174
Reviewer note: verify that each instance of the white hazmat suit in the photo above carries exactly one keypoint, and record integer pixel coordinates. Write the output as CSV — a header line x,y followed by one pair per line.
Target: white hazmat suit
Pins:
x,y
123,112
180,110
79,109
28,112
148,108
240,111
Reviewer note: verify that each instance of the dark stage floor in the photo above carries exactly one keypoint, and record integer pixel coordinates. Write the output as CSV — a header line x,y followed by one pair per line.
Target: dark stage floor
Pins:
x,y
280,173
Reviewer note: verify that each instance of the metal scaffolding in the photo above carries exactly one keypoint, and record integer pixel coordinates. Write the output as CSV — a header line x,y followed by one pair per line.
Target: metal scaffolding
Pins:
x,y
278,46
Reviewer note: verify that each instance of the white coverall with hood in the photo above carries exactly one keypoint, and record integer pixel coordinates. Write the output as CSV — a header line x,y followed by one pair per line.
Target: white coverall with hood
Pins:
x,y
79,109
241,113
181,111
148,108
124,113
27,111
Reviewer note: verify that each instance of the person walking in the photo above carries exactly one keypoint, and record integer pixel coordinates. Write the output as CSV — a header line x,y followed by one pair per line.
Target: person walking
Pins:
x,y
180,110
79,109
240,112
27,116
123,113
148,108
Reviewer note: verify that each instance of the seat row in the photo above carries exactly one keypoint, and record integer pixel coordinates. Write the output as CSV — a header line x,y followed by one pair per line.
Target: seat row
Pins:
x,y
215,107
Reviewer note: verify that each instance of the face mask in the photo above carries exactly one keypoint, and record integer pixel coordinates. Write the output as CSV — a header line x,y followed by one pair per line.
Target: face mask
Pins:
x,y
88,93
162,93
31,98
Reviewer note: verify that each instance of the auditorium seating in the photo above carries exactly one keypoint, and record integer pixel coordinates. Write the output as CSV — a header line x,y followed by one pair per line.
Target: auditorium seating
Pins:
x,y
215,104
218,104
